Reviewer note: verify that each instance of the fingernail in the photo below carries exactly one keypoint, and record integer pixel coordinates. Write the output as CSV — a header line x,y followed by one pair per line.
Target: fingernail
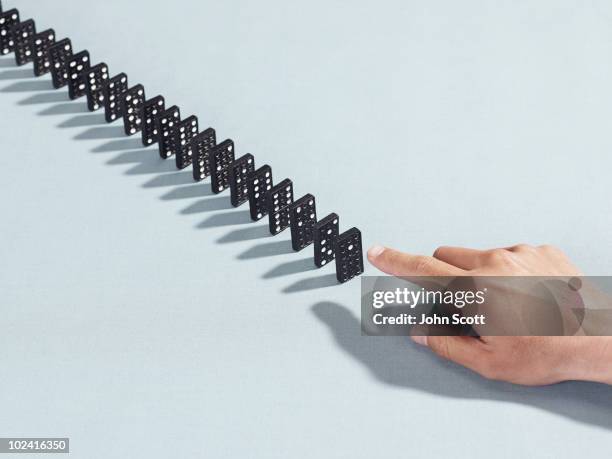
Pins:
x,y
420,339
375,251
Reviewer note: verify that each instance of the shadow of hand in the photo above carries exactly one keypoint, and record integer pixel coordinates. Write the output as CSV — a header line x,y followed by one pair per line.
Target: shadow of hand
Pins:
x,y
396,361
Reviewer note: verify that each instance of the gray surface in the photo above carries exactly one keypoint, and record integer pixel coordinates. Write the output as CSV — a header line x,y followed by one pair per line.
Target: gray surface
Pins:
x,y
142,316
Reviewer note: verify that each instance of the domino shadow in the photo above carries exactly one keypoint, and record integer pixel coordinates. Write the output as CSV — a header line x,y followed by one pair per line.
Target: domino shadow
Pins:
x,y
16,74
396,362
137,157
146,161
91,119
131,143
66,108
283,247
127,157
44,98
27,86
198,190
170,179
100,132
245,234
7,62
291,267
267,249
225,219
208,205
312,283
131,151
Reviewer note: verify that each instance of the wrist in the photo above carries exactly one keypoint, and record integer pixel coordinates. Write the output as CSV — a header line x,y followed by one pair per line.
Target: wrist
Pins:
x,y
587,358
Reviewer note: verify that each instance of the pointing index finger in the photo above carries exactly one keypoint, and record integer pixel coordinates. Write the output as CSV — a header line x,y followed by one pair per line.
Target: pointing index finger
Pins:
x,y
402,264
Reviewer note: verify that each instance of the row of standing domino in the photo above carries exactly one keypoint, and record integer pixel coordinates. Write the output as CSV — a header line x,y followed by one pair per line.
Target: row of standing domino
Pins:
x,y
182,139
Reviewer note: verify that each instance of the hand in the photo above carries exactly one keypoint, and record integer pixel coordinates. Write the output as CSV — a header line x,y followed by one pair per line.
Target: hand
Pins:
x,y
528,360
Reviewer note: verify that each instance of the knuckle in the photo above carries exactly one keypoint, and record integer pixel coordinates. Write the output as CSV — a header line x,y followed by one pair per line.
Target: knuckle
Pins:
x,y
421,264
547,248
499,256
395,262
523,248
394,259
390,256
441,346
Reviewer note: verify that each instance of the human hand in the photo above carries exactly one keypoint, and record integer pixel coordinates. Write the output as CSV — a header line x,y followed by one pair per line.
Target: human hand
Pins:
x,y
527,360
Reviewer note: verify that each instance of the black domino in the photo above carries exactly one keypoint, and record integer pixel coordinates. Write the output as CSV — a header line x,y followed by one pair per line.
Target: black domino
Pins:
x,y
77,67
187,129
151,109
199,149
239,170
221,157
116,86
278,200
36,45
95,80
258,184
8,20
131,103
302,218
20,34
325,232
167,123
40,51
59,54
349,255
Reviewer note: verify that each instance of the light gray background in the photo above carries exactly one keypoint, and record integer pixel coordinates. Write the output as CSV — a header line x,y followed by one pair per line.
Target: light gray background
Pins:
x,y
142,316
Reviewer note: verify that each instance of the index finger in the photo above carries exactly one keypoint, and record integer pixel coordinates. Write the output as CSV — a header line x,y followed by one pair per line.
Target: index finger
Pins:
x,y
402,264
